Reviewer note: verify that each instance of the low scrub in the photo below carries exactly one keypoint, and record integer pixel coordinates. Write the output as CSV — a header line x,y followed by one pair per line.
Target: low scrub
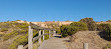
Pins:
x,y
21,40
3,29
90,23
10,35
46,36
106,30
58,30
72,28
1,34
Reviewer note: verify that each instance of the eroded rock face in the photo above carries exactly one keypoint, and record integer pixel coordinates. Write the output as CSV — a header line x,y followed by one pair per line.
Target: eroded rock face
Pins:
x,y
91,37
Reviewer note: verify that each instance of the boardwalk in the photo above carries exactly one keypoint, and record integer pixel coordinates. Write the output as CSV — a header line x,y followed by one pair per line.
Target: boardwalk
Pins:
x,y
53,43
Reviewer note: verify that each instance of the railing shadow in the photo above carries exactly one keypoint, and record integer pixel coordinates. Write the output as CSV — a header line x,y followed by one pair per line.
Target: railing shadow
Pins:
x,y
58,36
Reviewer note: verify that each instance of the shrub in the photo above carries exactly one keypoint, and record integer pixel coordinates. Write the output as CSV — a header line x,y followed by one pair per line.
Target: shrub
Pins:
x,y
90,23
1,34
58,30
14,33
18,20
105,28
9,35
6,25
23,31
63,30
22,25
46,36
72,28
80,26
17,29
4,29
21,40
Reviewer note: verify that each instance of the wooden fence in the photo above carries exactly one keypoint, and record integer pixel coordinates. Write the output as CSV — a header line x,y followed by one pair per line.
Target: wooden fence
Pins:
x,y
31,39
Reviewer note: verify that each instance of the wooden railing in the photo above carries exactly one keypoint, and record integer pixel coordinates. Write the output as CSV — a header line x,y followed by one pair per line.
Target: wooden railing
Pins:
x,y
31,39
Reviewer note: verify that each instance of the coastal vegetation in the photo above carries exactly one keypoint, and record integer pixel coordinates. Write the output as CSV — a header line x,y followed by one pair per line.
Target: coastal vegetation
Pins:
x,y
18,32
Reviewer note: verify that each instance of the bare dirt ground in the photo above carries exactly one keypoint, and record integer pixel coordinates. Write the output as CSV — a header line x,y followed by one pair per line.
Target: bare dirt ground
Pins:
x,y
53,43
91,37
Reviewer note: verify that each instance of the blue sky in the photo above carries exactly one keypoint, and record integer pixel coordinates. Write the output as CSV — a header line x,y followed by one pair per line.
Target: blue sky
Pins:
x,y
54,10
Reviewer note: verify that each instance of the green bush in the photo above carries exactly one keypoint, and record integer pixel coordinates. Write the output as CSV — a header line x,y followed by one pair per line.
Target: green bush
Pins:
x,y
13,24
18,20
17,29
90,23
58,30
80,26
21,25
14,33
72,28
46,36
6,25
4,29
1,34
21,40
10,35
22,31
105,28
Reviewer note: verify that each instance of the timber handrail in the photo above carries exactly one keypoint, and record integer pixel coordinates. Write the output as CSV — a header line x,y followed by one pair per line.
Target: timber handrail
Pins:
x,y
31,39
35,38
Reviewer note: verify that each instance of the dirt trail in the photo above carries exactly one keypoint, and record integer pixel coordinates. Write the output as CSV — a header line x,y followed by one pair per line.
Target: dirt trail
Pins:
x,y
53,43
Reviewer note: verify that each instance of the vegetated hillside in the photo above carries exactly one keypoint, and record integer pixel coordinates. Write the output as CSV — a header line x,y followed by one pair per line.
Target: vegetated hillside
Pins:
x,y
12,31
13,34
91,37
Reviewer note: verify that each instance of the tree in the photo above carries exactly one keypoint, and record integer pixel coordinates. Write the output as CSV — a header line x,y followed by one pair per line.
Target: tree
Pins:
x,y
90,23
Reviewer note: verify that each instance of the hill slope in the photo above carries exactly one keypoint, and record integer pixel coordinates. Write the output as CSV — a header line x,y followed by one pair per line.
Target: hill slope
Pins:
x,y
91,37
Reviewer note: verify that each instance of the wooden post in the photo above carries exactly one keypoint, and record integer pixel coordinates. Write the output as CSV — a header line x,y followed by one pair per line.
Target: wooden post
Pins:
x,y
43,35
20,47
30,36
54,33
49,34
85,46
40,37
